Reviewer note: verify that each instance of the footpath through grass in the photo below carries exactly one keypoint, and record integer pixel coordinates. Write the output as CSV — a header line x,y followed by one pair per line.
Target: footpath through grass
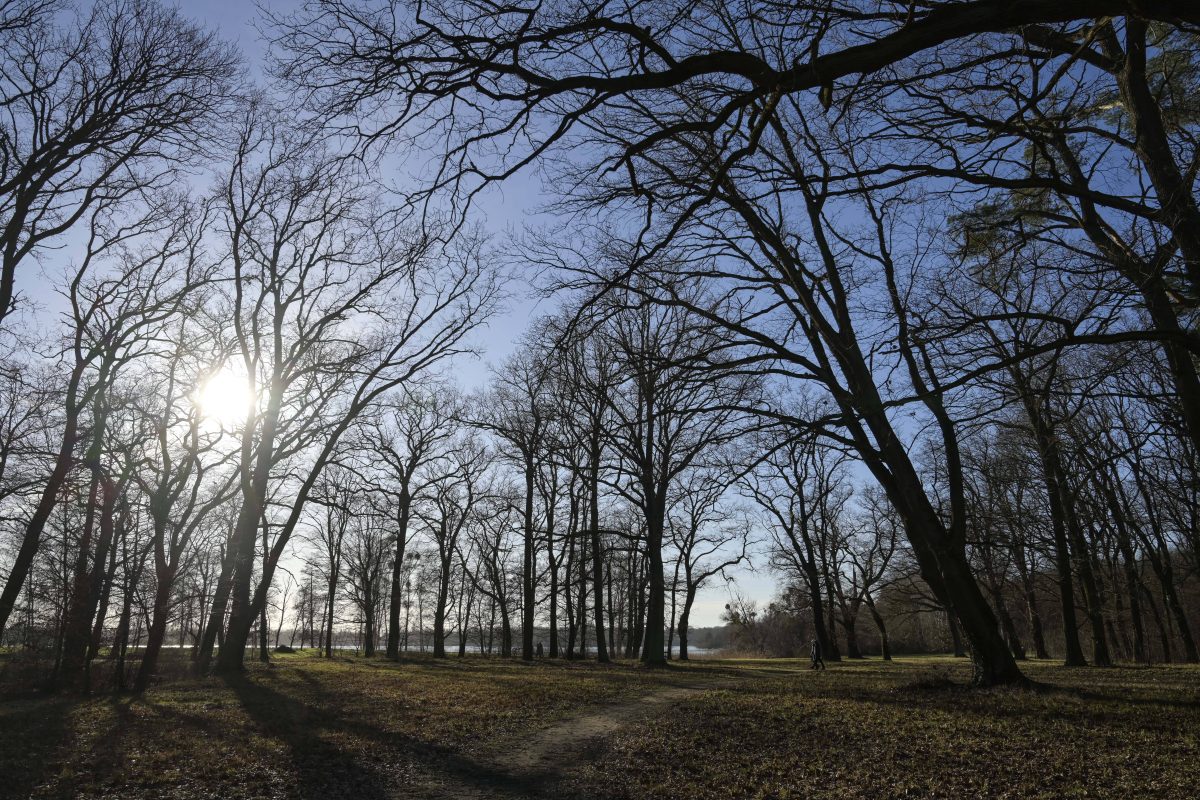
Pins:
x,y
353,728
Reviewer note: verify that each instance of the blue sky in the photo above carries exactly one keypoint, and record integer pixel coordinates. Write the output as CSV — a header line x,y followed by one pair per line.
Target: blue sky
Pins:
x,y
501,211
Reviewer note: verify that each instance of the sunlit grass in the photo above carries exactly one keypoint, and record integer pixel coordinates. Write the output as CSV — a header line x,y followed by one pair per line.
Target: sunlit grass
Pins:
x,y
352,727
912,729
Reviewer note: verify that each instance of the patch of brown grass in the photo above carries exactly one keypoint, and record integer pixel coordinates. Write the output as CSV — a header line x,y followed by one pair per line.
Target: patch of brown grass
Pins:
x,y
912,729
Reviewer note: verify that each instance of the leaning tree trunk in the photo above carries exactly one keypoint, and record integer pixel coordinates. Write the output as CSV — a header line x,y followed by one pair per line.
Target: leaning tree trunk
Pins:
x,y
689,599
884,644
47,500
215,627
955,634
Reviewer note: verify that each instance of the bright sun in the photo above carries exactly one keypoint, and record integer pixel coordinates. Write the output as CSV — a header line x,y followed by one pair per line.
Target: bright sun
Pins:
x,y
223,398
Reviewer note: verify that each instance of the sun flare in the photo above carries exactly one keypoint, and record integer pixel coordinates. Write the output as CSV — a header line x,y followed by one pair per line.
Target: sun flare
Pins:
x,y
223,398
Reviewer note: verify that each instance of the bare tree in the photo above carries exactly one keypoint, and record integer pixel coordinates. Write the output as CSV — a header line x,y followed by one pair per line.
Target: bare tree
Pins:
x,y
312,248
114,316
101,106
367,553
708,538
406,436
517,411
680,399
446,512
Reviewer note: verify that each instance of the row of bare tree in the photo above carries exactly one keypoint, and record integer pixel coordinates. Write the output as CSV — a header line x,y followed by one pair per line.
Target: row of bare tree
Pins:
x,y
928,216
906,293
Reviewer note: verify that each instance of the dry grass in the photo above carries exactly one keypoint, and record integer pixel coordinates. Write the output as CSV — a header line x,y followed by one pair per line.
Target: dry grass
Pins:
x,y
306,727
910,729
365,729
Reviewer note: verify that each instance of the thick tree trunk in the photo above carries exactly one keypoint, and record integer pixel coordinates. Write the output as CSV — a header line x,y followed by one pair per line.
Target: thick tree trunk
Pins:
x,y
506,636
439,611
395,598
215,627
688,600
231,656
596,554
956,635
816,599
255,483
1010,629
527,571
164,578
332,587
848,627
369,628
89,584
884,643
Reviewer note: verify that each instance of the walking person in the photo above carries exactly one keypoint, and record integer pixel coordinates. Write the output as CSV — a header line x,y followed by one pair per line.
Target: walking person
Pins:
x,y
817,661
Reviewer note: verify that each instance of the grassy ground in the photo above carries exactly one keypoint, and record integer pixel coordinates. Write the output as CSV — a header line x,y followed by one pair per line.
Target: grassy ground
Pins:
x,y
906,730
308,727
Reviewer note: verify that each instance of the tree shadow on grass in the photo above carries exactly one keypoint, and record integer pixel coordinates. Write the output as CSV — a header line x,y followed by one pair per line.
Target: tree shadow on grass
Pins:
x,y
328,763
32,733
322,767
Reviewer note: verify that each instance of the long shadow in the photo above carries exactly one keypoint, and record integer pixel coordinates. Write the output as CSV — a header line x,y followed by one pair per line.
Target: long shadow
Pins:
x,y
32,734
1110,697
964,702
438,761
325,769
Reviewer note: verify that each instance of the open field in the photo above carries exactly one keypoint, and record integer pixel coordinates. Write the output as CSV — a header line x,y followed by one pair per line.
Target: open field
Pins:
x,y
311,728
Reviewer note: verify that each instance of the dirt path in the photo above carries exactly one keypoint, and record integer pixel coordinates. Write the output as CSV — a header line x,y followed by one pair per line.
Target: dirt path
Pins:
x,y
528,768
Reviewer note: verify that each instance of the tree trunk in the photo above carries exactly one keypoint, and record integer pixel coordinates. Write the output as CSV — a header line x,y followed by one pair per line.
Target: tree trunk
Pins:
x,y
333,580
32,539
527,571
89,583
1062,552
848,626
688,599
1031,611
884,644
439,611
553,564
597,555
956,635
395,595
816,599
